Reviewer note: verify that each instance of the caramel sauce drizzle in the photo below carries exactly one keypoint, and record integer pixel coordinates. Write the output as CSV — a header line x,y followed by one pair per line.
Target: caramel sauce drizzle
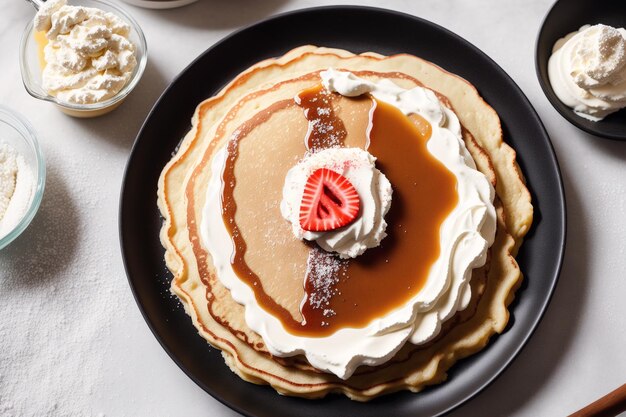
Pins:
x,y
351,293
42,41
229,208
326,130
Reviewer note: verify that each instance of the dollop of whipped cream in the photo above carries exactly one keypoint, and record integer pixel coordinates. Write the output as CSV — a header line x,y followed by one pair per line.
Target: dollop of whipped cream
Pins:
x,y
465,237
89,57
587,70
374,190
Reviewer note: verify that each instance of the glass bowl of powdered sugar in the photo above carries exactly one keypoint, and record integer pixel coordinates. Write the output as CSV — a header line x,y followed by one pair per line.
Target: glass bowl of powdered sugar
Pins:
x,y
22,175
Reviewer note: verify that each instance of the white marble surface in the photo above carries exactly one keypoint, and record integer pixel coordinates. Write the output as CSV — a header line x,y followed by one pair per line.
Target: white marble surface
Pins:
x,y
69,325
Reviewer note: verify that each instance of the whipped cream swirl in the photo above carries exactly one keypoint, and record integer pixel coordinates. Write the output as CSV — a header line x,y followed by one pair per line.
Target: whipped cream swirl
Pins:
x,y
89,57
587,71
374,190
465,237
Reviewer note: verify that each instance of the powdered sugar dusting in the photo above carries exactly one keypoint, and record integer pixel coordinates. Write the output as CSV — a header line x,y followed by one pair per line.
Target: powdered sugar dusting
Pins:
x,y
324,271
17,185
325,129
8,173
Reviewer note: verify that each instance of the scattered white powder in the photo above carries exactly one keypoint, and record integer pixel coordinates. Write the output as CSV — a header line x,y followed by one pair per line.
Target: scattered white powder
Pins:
x,y
324,270
323,111
17,184
321,123
8,172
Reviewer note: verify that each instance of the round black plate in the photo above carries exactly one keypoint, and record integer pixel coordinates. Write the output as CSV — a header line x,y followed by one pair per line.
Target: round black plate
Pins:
x,y
357,29
568,16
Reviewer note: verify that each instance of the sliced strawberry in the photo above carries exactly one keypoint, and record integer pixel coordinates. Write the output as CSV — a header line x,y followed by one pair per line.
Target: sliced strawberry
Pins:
x,y
329,202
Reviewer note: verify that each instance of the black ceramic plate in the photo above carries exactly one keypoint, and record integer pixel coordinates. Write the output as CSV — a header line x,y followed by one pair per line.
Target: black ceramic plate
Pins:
x,y
357,29
568,16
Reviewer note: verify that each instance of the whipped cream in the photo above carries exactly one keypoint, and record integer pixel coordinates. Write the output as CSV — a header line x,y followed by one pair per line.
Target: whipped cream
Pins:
x,y
89,57
466,234
587,70
374,190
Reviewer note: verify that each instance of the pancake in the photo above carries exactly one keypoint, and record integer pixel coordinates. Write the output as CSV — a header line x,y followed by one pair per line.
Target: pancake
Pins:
x,y
244,102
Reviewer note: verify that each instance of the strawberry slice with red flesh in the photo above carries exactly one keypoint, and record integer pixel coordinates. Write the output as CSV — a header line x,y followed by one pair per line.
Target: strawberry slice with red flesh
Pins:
x,y
329,202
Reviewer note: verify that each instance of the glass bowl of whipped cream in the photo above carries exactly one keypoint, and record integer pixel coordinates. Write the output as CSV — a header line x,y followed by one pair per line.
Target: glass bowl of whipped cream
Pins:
x,y
581,64
85,56
22,175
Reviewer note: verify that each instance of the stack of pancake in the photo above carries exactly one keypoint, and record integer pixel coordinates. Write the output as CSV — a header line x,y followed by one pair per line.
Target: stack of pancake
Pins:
x,y
256,104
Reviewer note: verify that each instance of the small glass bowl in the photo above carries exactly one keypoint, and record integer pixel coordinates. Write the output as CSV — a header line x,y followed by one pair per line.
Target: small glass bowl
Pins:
x,y
19,134
31,68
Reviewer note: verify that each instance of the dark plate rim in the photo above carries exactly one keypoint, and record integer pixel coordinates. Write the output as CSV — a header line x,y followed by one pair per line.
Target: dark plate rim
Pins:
x,y
532,112
567,113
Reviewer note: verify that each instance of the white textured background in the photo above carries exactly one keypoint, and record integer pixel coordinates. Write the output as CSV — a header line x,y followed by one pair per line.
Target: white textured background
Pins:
x,y
72,341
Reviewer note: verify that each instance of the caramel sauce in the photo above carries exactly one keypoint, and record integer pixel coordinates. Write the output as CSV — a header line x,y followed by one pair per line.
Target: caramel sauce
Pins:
x,y
229,210
326,130
352,293
42,41
387,277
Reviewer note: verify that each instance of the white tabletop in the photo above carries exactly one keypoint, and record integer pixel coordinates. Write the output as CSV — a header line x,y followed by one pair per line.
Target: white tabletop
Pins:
x,y
72,340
